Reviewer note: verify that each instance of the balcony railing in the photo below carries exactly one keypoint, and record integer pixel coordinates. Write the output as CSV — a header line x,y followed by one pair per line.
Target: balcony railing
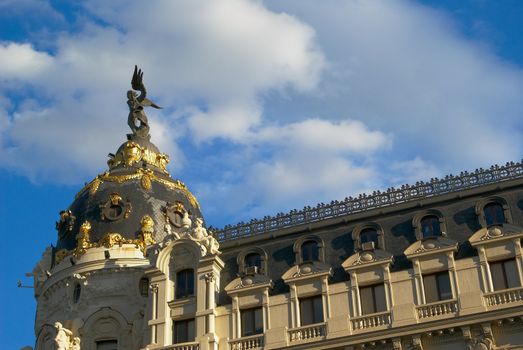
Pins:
x,y
370,321
182,346
505,296
311,332
438,308
247,343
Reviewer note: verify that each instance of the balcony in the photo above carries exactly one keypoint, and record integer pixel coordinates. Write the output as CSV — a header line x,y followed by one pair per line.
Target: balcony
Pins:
x,y
247,343
436,309
183,346
307,333
369,321
503,297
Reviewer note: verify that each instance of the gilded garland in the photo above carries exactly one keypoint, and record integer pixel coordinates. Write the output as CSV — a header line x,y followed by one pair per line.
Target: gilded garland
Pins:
x,y
110,239
146,177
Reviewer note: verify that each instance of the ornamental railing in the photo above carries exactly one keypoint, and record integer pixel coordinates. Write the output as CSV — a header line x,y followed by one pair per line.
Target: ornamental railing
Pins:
x,y
506,296
311,332
378,199
370,321
183,346
438,308
247,343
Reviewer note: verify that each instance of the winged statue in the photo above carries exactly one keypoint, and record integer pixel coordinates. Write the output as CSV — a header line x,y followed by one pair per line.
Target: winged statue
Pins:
x,y
137,119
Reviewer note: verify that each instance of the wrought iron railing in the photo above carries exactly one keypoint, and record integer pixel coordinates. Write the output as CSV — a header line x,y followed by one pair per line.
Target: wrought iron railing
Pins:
x,y
377,199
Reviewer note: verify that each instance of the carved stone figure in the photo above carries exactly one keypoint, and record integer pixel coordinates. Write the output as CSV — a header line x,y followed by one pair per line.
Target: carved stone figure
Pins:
x,y
137,119
76,344
62,339
200,234
66,223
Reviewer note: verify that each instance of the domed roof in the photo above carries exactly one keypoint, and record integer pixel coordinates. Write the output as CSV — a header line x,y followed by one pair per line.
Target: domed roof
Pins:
x,y
119,203
137,184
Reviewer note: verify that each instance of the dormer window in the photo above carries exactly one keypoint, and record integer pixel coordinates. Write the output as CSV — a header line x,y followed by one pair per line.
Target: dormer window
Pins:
x,y
309,249
493,211
368,236
430,226
494,214
429,223
252,262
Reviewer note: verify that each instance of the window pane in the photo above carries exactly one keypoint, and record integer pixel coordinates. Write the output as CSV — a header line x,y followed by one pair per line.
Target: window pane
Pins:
x,y
183,331
511,274
247,323
369,235
258,320
494,214
367,301
107,345
431,288
184,283
445,291
379,295
253,259
498,276
430,226
310,251
306,312
318,309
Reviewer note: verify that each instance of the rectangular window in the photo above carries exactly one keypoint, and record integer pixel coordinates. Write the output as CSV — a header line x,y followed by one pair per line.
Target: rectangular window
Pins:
x,y
106,345
437,287
252,321
373,299
183,331
311,310
504,274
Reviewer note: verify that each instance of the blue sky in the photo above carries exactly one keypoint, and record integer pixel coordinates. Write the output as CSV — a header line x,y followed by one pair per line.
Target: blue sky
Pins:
x,y
268,106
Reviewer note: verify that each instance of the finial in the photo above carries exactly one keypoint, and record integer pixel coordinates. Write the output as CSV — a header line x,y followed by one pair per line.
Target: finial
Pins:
x,y
137,119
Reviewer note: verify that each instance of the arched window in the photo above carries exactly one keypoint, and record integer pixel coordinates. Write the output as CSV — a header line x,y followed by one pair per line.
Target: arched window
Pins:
x,y
365,233
252,261
494,214
310,251
430,226
144,287
184,283
76,292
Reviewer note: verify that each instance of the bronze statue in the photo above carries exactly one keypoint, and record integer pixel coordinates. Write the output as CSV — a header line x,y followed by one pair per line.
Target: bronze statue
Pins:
x,y
137,119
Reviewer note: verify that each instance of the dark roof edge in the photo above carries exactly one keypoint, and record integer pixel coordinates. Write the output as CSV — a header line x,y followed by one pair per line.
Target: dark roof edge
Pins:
x,y
365,202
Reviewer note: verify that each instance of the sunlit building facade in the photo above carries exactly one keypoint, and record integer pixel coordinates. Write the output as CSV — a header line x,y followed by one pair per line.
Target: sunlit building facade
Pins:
x,y
436,265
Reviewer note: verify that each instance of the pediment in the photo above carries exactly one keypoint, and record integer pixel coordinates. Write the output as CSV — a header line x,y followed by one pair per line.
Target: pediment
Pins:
x,y
306,270
495,234
431,246
367,258
248,283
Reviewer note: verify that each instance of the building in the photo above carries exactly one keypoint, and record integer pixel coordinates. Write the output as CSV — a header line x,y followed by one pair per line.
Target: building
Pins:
x,y
435,265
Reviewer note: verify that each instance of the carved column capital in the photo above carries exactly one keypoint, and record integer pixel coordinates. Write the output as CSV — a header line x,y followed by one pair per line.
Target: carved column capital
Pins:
x,y
210,277
416,342
396,344
154,287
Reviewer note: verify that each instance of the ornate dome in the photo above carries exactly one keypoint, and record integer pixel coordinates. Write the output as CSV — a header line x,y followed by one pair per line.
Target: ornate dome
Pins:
x,y
135,201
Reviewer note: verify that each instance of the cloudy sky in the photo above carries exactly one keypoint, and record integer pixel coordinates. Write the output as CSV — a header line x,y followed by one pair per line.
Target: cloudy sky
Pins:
x,y
268,105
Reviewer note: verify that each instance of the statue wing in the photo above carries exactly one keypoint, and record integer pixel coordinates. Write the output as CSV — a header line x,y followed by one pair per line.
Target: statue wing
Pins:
x,y
137,80
147,102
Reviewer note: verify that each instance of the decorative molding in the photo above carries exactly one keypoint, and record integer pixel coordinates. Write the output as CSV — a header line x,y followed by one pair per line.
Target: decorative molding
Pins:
x,y
407,193
146,177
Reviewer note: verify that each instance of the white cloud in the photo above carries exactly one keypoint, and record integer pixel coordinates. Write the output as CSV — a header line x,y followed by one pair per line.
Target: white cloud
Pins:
x,y
21,61
274,107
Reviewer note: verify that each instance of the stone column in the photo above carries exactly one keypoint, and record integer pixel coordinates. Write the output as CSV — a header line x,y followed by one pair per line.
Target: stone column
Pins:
x,y
519,259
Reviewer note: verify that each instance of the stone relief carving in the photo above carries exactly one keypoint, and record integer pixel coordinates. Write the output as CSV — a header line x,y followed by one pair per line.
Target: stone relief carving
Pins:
x,y
64,338
187,229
